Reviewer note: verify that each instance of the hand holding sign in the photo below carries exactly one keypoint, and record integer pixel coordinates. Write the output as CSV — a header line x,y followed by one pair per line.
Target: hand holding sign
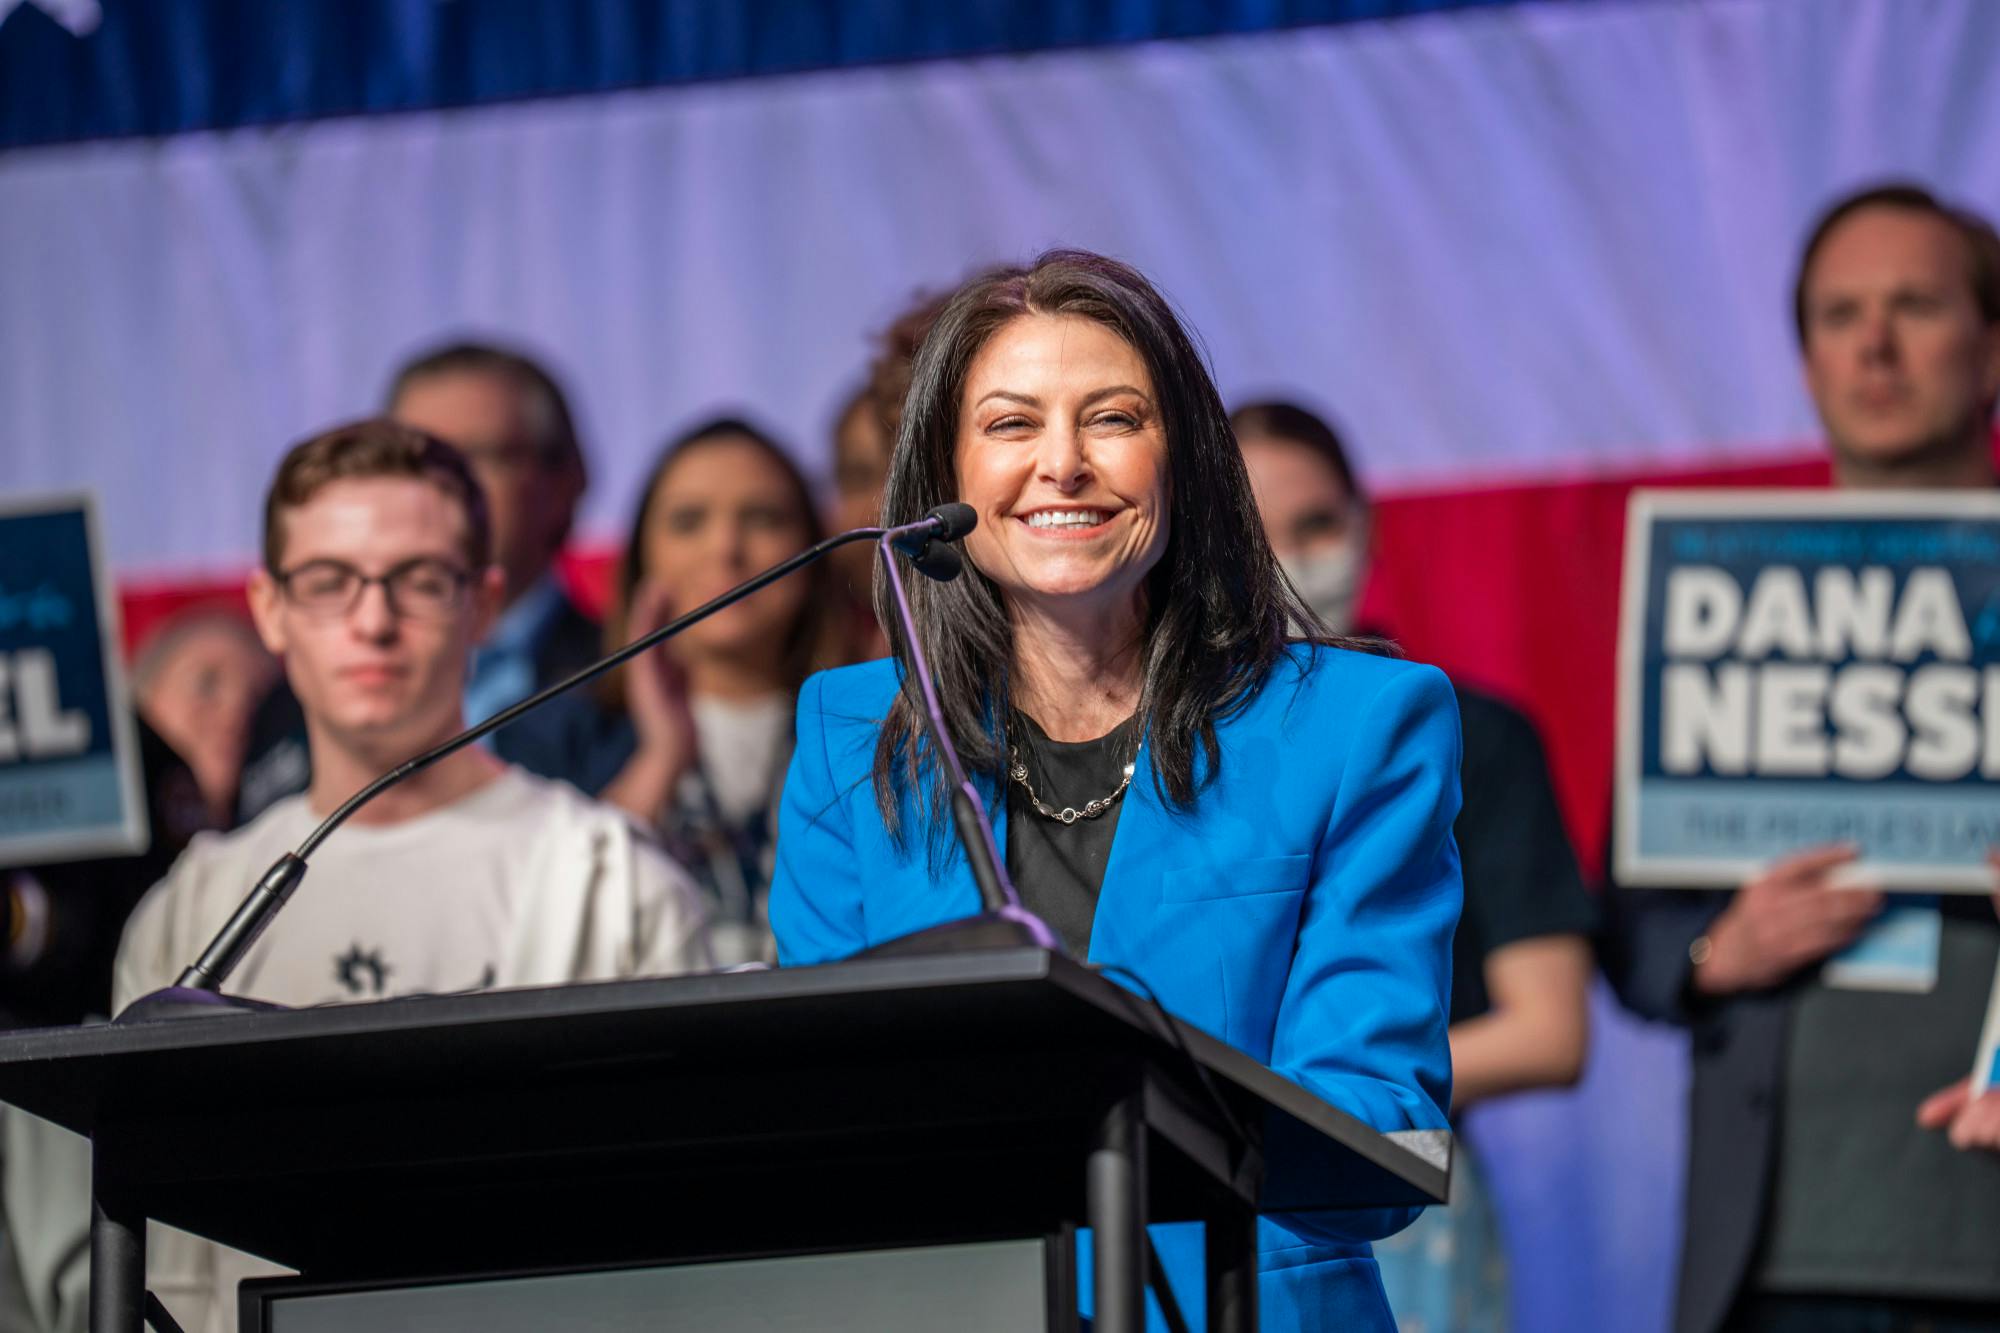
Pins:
x,y
1785,919
1968,1121
1969,1110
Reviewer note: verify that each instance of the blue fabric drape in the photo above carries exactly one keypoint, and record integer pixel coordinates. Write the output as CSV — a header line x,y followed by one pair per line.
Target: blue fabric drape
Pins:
x,y
153,67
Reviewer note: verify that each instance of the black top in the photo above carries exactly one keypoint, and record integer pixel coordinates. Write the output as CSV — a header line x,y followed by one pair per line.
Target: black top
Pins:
x,y
1521,878
1059,867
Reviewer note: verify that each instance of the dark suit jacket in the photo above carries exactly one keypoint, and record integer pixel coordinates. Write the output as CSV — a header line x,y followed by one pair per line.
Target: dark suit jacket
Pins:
x,y
1737,1054
571,642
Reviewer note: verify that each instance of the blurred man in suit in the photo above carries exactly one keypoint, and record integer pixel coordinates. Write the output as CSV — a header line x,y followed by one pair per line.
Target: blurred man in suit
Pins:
x,y
1840,1175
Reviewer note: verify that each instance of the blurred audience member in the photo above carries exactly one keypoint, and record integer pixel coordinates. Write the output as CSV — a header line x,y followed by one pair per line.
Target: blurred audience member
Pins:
x,y
512,423
861,449
864,436
694,737
61,924
509,418
376,585
1520,959
198,679
1815,1198
62,920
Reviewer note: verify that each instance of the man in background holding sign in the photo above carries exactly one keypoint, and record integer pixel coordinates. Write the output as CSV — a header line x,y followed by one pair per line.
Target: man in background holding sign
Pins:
x,y
1831,1184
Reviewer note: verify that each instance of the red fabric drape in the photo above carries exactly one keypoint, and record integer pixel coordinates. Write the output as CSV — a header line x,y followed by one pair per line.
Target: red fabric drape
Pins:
x,y
1515,590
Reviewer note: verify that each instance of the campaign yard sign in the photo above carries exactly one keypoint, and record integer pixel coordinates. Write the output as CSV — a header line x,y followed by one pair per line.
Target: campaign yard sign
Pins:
x,y
1806,667
69,762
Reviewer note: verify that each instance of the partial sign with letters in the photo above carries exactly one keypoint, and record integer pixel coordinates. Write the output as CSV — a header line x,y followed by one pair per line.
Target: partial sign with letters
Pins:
x,y
1798,668
69,763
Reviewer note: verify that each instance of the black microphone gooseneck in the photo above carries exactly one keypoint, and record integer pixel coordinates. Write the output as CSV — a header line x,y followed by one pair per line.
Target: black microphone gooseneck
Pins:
x,y
1002,922
198,988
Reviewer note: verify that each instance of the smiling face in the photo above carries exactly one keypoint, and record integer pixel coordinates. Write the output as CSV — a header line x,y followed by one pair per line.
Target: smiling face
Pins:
x,y
1061,451
377,681
1899,361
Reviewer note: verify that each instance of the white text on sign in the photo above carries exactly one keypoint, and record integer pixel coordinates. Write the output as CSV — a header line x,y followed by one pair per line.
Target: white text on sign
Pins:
x,y
36,726
1725,706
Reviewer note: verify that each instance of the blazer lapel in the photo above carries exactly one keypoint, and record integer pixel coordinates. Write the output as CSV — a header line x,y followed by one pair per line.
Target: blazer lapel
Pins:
x,y
1139,851
923,901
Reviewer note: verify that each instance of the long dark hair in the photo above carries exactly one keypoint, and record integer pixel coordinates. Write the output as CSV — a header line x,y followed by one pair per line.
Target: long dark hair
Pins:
x,y
807,647
1218,609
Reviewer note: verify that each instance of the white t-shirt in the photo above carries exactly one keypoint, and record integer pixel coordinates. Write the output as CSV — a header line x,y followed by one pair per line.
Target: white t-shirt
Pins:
x,y
744,747
524,882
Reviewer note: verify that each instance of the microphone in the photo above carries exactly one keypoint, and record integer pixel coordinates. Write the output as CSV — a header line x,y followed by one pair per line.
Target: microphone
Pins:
x,y
1002,921
946,523
198,989
928,541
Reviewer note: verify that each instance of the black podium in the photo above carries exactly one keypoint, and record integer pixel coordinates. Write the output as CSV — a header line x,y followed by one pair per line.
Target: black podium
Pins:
x,y
856,1107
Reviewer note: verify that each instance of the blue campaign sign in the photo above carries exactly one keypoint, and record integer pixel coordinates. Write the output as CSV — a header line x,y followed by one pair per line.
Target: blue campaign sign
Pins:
x,y
69,770
1803,668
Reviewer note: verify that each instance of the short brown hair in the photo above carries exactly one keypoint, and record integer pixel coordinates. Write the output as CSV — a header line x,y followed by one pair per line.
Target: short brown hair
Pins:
x,y
550,420
375,447
1982,245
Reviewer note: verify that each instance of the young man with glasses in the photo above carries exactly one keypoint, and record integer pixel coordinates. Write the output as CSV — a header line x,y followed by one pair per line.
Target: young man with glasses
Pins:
x,y
376,585
510,419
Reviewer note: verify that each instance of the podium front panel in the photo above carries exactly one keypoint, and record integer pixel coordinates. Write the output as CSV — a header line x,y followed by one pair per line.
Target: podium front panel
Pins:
x,y
1000,1286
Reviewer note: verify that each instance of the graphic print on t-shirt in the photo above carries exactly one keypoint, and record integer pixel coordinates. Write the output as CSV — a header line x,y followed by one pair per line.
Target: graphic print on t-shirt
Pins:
x,y
362,974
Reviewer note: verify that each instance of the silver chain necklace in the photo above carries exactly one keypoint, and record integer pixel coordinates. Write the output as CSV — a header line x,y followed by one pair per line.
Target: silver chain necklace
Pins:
x,y
1069,814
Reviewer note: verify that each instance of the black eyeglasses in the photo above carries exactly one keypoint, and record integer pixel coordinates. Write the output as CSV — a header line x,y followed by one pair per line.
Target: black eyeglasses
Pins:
x,y
425,588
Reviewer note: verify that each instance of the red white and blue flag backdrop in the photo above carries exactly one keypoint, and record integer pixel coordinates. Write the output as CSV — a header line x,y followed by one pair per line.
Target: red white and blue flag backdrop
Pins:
x,y
1523,254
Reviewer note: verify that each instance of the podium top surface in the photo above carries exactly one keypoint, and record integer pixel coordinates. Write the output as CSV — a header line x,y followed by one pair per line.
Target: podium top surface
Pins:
x,y
955,1043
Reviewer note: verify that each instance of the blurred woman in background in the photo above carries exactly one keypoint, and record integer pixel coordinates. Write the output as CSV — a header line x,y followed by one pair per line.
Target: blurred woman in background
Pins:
x,y
693,737
1520,961
864,435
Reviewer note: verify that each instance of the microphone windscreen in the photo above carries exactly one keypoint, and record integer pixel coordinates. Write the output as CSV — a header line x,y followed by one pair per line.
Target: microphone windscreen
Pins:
x,y
938,561
955,520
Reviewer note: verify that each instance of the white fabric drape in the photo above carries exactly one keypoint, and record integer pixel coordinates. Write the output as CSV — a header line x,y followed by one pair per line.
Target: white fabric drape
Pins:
x,y
1495,242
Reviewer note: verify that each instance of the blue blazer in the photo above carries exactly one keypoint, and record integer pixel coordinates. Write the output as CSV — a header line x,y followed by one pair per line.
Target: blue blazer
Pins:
x,y
1302,911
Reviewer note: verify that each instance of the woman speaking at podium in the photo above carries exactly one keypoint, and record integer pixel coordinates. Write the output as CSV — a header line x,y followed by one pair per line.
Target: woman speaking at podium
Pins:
x,y
1200,785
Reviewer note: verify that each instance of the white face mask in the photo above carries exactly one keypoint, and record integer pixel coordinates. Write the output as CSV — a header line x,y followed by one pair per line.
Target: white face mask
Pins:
x,y
1330,580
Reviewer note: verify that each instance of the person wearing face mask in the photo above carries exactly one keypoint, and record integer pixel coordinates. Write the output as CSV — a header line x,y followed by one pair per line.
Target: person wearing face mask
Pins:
x,y
1521,958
